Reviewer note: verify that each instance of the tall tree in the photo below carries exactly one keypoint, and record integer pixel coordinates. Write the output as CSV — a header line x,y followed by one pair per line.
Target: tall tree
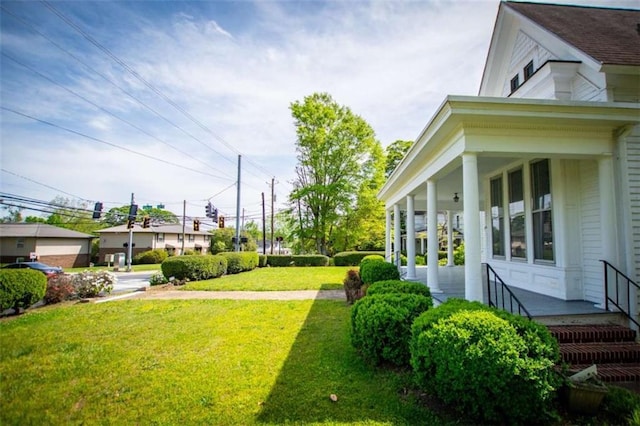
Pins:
x,y
13,215
71,214
333,147
395,153
119,215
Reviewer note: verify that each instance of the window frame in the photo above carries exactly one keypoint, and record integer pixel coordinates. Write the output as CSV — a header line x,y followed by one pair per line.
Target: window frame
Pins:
x,y
160,237
521,212
542,206
515,83
497,214
528,70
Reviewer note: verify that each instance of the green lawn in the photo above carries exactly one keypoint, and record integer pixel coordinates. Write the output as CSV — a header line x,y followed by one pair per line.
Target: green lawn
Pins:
x,y
265,279
194,362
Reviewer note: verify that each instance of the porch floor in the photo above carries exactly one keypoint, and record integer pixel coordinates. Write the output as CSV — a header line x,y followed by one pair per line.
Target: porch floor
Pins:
x,y
451,283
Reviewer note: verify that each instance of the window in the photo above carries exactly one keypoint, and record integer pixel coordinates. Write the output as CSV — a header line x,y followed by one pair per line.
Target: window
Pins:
x,y
497,217
207,237
180,238
528,71
515,83
160,237
541,211
20,243
516,215
192,238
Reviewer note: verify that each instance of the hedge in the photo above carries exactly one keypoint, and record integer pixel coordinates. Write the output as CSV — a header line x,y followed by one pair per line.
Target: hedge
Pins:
x,y
240,261
262,260
371,272
353,258
151,257
398,286
297,260
194,268
21,288
474,358
381,326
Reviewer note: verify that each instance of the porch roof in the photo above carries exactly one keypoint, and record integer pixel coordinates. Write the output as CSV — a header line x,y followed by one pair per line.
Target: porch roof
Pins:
x,y
501,130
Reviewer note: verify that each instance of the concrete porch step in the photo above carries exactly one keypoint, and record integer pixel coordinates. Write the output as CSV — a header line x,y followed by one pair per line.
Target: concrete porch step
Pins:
x,y
592,333
600,352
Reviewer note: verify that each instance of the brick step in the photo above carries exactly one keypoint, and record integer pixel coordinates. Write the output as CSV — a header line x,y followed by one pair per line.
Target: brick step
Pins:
x,y
600,352
592,333
614,373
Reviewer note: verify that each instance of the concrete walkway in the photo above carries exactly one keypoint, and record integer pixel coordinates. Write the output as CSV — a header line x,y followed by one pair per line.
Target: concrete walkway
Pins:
x,y
235,295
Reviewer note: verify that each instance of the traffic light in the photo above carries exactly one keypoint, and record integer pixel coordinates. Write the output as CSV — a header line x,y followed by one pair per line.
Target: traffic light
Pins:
x,y
133,212
130,223
209,210
146,222
220,222
196,225
214,216
97,210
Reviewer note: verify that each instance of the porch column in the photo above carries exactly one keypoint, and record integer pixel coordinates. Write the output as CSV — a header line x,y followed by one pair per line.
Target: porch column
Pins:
x,y
387,236
450,238
411,239
432,237
607,210
397,235
422,246
471,214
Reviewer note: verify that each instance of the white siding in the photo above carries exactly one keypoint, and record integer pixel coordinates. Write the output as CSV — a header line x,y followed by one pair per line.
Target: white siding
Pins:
x,y
591,235
633,170
584,90
524,50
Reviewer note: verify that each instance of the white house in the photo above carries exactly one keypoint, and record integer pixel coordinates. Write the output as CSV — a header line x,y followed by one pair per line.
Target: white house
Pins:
x,y
549,151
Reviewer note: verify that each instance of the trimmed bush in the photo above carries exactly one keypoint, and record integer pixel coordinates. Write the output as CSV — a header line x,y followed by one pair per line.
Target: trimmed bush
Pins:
x,y
262,260
150,257
352,286
59,288
398,286
370,272
381,326
475,358
194,268
21,288
240,261
372,258
297,260
353,258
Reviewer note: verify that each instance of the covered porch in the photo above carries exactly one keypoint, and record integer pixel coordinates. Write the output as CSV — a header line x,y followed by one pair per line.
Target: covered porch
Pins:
x,y
538,186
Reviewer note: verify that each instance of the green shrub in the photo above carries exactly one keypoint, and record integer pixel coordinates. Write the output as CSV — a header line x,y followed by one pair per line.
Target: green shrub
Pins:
x,y
353,258
370,272
372,258
420,260
240,261
262,260
92,283
619,405
59,288
157,279
442,257
381,326
398,286
458,255
194,268
21,288
150,257
297,260
472,359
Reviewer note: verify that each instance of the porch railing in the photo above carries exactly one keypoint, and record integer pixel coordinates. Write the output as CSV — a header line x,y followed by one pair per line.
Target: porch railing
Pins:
x,y
620,278
504,297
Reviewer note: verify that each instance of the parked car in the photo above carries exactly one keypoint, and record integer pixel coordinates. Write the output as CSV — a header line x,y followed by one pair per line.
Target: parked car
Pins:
x,y
49,271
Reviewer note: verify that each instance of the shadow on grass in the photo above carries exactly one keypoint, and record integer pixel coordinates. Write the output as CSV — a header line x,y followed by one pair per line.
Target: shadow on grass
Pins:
x,y
322,362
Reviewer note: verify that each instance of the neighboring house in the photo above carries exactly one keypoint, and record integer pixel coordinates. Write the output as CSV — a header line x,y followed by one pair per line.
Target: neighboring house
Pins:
x,y
549,151
167,237
49,244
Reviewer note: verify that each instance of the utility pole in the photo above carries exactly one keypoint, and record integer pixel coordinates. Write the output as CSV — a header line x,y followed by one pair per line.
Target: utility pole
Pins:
x,y
273,180
238,208
130,245
264,229
184,218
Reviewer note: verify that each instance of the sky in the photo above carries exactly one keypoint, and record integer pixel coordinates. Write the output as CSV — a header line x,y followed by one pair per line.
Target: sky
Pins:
x,y
102,99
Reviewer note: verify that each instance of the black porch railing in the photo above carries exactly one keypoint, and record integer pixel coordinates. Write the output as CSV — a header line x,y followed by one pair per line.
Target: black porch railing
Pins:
x,y
620,278
504,297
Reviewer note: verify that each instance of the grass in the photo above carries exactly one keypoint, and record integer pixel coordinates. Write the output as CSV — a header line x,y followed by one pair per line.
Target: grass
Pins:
x,y
270,279
195,362
135,268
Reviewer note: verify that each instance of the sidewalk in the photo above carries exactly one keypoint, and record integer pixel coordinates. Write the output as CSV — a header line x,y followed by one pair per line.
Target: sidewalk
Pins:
x,y
234,295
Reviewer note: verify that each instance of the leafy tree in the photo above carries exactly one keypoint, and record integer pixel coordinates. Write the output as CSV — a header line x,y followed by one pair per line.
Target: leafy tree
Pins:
x,y
71,214
334,147
35,219
119,216
13,215
395,153
221,240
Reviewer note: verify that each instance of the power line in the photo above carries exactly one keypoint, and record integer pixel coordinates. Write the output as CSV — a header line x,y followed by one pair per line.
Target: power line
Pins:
x,y
43,184
75,132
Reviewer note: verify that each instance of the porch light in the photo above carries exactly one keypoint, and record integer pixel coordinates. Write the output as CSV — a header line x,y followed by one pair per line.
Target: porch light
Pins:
x,y
455,197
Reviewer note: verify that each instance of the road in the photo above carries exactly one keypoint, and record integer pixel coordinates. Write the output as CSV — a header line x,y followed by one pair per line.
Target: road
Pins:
x,y
131,281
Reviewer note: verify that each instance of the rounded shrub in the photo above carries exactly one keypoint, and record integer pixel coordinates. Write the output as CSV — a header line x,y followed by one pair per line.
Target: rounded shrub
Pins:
x,y
59,288
21,288
150,257
381,326
474,358
240,261
370,272
194,268
353,258
372,258
398,286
